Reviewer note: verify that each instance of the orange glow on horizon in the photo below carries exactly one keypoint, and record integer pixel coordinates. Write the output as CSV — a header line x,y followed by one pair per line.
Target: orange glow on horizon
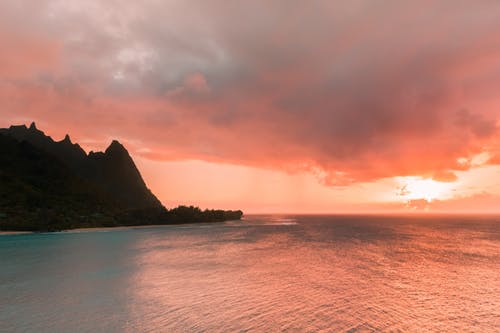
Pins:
x,y
318,108
413,188
257,190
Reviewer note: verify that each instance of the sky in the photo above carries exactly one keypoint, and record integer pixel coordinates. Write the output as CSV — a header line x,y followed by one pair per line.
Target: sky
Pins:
x,y
271,106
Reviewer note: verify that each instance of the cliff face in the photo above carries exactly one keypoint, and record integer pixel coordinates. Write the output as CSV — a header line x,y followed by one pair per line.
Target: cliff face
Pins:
x,y
116,172
41,179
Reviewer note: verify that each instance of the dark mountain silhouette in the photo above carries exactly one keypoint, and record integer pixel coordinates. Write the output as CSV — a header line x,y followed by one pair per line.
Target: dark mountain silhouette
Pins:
x,y
113,171
54,185
116,172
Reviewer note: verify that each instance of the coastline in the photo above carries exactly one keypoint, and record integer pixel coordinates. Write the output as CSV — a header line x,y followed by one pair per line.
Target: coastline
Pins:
x,y
8,233
76,230
117,228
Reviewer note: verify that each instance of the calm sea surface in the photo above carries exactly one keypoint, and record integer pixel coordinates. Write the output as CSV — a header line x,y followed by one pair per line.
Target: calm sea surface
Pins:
x,y
264,274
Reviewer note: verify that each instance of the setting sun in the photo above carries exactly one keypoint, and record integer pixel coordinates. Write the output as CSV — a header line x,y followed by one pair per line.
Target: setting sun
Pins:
x,y
414,188
256,166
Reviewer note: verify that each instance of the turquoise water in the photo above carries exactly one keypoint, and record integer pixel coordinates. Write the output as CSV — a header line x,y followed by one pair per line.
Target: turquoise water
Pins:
x,y
264,274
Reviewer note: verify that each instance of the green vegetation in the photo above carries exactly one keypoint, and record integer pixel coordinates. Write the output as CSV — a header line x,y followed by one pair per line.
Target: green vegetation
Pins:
x,y
65,217
184,214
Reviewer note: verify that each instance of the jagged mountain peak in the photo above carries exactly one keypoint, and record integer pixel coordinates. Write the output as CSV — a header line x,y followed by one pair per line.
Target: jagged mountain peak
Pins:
x,y
66,139
115,146
113,172
117,150
33,130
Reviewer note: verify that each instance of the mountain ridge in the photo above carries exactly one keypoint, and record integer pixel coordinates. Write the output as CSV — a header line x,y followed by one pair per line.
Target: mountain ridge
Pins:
x,y
96,167
48,185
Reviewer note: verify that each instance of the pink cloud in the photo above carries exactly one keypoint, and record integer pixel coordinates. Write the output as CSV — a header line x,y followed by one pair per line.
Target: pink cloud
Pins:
x,y
334,89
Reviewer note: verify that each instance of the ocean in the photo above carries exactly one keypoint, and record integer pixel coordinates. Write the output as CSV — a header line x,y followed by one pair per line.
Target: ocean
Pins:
x,y
272,273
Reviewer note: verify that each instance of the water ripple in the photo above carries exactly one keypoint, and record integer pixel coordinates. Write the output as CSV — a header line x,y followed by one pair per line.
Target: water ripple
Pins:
x,y
268,274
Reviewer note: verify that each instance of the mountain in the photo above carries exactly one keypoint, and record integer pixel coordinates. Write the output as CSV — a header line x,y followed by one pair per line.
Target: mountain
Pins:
x,y
113,171
50,185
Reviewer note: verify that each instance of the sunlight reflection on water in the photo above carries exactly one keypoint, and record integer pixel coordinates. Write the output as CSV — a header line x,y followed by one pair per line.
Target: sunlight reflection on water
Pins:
x,y
268,273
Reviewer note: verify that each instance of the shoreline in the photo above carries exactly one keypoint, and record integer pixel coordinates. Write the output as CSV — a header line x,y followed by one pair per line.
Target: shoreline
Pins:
x,y
76,230
8,233
117,228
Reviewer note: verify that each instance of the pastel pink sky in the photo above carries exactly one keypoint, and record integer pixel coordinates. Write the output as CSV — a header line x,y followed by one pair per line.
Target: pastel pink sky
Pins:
x,y
271,106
